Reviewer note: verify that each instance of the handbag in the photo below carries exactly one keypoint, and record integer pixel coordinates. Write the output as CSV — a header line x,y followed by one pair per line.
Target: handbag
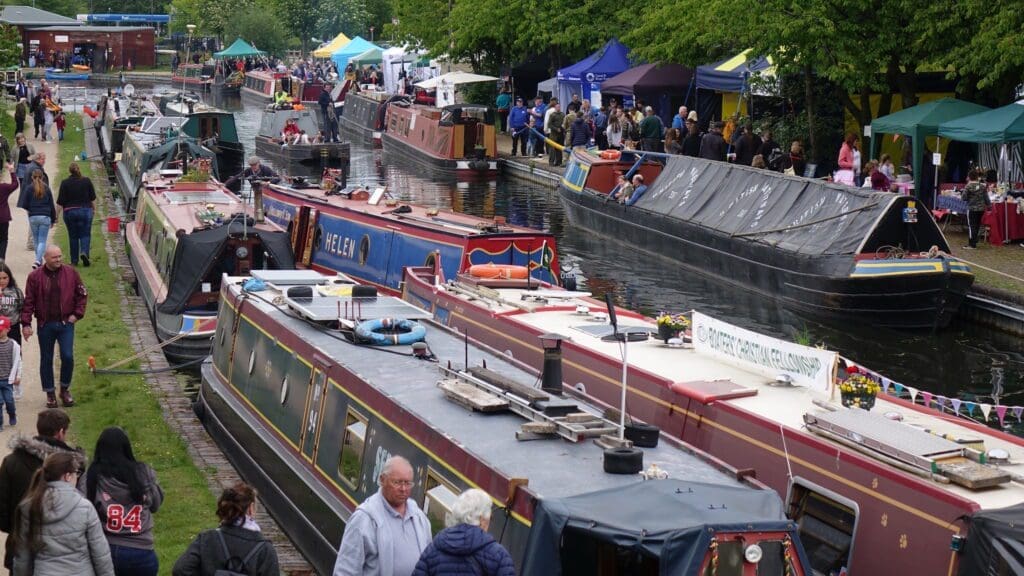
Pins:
x,y
233,566
789,171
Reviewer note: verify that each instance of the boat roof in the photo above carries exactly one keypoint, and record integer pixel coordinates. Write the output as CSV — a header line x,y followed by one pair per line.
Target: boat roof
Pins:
x,y
554,467
152,131
732,384
181,202
428,217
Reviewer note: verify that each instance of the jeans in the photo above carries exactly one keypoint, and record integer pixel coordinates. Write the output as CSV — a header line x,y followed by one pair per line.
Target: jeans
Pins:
x,y
62,334
39,227
133,561
974,226
5,229
79,223
6,399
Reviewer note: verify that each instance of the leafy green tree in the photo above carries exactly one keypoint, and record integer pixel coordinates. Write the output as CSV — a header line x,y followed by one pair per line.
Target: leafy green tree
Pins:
x,y
988,53
10,46
69,8
349,16
260,31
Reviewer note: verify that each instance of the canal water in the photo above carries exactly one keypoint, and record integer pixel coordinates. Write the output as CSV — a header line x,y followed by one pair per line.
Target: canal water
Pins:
x,y
965,360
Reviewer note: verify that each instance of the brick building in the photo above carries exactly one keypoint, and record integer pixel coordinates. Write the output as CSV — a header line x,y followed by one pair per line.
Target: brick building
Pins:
x,y
107,47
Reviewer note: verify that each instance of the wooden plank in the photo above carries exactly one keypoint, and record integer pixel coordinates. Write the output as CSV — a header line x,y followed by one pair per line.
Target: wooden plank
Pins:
x,y
530,393
472,397
579,418
970,474
540,427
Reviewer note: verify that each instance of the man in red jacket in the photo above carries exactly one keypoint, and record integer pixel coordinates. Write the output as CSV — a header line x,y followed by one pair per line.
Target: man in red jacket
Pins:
x,y
55,295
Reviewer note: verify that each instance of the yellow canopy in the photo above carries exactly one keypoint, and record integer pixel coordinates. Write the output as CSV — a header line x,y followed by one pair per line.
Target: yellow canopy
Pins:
x,y
331,47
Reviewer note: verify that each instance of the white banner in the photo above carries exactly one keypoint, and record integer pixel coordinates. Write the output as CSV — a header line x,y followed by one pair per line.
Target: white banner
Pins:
x,y
811,367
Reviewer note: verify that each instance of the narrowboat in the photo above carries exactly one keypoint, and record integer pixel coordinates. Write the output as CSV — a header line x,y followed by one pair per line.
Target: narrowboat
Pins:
x,y
893,490
213,127
308,93
194,76
185,236
363,119
118,114
371,239
228,84
455,141
61,75
286,156
308,414
151,146
260,85
835,252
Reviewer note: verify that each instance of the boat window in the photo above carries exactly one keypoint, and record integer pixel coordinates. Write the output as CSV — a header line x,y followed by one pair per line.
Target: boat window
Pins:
x,y
826,528
252,360
350,465
438,499
364,249
431,258
730,560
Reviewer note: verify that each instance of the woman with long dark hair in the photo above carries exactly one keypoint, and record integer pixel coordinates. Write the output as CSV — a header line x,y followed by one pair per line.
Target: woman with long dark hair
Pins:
x,y
237,544
126,494
42,214
58,532
77,200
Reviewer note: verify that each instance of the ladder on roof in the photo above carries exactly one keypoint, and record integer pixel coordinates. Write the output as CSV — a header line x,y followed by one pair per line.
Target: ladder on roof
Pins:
x,y
547,415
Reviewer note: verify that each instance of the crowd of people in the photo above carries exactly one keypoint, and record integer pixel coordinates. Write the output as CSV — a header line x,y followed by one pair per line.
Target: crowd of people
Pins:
x,y
43,104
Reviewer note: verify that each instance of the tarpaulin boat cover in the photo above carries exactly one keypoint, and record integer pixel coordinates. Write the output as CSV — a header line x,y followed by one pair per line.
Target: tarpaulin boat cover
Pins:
x,y
685,516
995,542
157,156
810,217
197,254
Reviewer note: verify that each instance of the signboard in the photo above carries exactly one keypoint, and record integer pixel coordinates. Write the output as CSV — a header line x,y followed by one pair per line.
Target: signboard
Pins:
x,y
60,39
807,366
595,96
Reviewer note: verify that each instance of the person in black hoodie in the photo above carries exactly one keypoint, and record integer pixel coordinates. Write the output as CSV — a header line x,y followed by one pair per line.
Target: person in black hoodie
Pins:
x,y
465,547
248,551
26,456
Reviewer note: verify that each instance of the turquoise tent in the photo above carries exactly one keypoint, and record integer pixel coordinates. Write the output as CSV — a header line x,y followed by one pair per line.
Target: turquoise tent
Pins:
x,y
357,46
240,49
1004,124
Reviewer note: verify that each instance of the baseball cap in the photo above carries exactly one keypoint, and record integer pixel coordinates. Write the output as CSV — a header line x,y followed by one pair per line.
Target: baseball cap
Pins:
x,y
5,323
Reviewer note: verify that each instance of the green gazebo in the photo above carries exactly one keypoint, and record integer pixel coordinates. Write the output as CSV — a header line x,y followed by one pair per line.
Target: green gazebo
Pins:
x,y
240,49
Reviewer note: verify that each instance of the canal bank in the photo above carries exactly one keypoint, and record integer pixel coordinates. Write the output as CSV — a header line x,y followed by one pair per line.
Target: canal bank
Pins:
x,y
152,408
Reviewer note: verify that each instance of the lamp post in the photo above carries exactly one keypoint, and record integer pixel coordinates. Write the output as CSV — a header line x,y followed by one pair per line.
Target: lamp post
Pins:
x,y
371,33
188,54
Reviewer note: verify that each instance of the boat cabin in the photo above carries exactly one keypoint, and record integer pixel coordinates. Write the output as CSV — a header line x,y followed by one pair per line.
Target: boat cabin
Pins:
x,y
273,121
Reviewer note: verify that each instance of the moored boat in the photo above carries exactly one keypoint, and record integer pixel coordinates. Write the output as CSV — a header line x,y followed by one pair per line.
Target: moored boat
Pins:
x,y
871,494
455,141
261,85
117,114
71,74
213,127
309,416
372,240
153,145
828,250
286,156
194,76
184,237
363,118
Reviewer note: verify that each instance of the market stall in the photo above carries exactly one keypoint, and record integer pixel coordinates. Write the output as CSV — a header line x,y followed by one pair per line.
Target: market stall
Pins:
x,y
326,50
655,84
585,77
357,46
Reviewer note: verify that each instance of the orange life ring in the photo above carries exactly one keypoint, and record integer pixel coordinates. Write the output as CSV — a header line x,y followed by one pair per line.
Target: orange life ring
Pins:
x,y
610,154
499,271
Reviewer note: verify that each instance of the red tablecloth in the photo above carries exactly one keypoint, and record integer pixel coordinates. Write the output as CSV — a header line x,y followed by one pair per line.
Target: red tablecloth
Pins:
x,y
999,228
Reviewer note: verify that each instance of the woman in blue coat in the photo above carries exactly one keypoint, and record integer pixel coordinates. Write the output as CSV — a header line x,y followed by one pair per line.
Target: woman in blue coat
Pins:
x,y
465,547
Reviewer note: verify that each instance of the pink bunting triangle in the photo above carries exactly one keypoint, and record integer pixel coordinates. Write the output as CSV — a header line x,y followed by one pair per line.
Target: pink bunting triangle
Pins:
x,y
927,399
1001,413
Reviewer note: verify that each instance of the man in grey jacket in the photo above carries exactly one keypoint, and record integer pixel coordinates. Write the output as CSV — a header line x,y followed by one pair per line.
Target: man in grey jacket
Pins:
x,y
387,533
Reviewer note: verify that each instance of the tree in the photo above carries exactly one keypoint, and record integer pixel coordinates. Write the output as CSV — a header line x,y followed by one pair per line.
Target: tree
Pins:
x,y
989,56
260,31
69,8
349,16
10,46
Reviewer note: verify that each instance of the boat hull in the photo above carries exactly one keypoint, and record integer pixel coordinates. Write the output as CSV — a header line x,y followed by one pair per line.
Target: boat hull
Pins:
x,y
891,507
332,154
898,300
361,119
67,76
400,151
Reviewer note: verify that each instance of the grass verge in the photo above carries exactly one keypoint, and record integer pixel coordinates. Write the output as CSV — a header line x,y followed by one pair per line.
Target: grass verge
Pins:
x,y
123,400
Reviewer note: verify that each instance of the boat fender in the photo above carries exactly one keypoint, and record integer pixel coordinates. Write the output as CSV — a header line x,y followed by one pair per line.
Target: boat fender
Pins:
x,y
499,271
610,154
390,331
362,291
623,460
642,435
300,292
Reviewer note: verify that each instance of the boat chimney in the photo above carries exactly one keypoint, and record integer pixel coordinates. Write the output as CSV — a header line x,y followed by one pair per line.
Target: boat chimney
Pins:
x,y
551,379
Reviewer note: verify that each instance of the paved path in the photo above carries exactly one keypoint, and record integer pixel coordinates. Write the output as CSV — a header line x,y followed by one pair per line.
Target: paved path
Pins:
x,y
20,260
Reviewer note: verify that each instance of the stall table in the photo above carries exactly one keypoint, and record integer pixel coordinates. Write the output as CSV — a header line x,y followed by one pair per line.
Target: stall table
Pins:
x,y
1003,219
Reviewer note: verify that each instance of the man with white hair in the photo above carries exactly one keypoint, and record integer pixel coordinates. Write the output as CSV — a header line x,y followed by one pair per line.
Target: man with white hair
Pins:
x,y
387,533
465,547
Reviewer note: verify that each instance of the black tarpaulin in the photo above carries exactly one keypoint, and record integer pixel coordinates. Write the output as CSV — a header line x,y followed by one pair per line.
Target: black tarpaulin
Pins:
x,y
796,214
157,156
995,542
197,254
671,520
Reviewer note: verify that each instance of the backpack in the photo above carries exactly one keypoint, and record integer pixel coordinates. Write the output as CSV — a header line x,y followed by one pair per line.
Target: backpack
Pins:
x,y
233,566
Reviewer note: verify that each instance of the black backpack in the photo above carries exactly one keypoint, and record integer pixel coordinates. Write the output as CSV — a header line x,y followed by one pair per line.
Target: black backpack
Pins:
x,y
234,566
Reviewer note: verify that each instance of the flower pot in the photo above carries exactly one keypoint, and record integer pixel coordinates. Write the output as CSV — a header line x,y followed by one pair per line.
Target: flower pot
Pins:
x,y
865,401
666,332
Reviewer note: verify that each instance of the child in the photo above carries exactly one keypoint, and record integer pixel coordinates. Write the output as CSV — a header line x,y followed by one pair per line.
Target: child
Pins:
x,y
11,300
10,370
61,122
531,125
